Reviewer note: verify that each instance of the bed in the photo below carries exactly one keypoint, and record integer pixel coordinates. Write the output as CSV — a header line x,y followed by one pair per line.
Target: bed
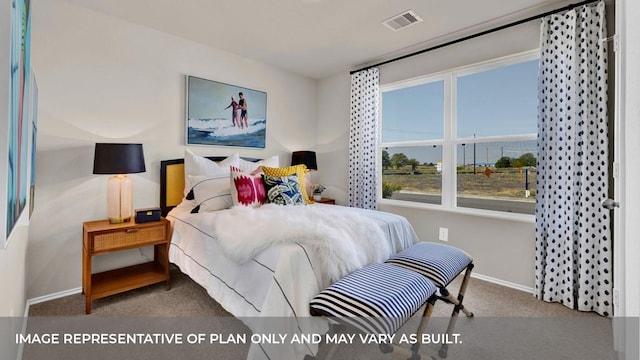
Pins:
x,y
281,279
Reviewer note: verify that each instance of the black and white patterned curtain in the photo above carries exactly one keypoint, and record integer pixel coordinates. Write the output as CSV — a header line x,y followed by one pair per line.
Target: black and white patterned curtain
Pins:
x,y
363,138
573,240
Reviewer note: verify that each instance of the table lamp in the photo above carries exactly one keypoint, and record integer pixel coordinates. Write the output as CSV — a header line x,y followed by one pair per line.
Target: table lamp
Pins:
x,y
119,160
305,157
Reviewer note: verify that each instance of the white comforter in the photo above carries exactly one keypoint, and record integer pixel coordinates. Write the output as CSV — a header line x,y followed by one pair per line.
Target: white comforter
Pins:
x,y
342,240
275,277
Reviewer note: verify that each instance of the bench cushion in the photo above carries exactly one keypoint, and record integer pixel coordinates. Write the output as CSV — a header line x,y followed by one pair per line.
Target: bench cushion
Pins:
x,y
378,298
440,263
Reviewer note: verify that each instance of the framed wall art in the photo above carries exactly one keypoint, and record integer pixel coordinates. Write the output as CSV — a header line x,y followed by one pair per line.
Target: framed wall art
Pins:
x,y
18,161
221,114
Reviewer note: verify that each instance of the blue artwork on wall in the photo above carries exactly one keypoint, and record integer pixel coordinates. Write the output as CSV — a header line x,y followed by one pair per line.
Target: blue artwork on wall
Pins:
x,y
17,184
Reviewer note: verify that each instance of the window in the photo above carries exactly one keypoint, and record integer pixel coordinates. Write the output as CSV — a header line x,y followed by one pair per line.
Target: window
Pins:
x,y
414,113
406,178
465,138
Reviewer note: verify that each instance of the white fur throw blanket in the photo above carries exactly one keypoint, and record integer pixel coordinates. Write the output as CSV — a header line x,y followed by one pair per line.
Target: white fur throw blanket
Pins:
x,y
342,240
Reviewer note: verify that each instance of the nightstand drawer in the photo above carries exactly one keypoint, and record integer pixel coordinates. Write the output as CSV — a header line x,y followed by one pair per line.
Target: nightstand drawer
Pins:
x,y
128,237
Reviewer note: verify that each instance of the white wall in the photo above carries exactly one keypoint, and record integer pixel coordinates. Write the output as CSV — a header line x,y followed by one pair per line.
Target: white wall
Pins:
x,y
332,151
629,281
632,149
12,271
12,283
103,79
498,252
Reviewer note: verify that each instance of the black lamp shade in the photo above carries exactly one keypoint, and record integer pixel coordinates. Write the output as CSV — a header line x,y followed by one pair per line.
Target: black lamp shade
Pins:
x,y
305,157
118,159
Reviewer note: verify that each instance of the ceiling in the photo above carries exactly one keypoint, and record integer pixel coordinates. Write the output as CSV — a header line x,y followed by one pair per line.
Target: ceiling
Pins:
x,y
317,38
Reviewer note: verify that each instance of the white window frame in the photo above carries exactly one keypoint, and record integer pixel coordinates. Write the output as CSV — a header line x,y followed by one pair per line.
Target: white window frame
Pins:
x,y
450,142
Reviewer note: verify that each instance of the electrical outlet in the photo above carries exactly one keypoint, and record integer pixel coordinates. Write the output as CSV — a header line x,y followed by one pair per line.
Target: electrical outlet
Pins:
x,y
444,234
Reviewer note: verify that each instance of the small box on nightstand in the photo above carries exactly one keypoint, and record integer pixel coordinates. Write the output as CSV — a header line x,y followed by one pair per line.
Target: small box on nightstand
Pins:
x,y
147,215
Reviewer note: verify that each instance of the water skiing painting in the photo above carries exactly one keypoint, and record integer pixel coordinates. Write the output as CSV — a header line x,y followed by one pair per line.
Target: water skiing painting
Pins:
x,y
225,115
17,183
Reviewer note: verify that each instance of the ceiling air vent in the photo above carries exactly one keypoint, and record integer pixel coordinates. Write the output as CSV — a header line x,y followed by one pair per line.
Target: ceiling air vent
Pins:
x,y
403,20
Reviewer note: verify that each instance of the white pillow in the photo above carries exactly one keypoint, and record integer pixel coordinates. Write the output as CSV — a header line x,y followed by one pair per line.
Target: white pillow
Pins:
x,y
250,166
211,192
195,165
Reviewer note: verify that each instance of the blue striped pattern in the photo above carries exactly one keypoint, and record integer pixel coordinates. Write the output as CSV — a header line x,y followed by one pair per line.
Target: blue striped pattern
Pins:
x,y
440,263
378,298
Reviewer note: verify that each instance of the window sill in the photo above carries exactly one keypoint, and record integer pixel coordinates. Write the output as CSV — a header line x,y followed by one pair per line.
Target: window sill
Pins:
x,y
461,211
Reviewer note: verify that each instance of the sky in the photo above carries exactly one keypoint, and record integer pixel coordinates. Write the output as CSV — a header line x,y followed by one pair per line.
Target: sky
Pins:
x,y
500,101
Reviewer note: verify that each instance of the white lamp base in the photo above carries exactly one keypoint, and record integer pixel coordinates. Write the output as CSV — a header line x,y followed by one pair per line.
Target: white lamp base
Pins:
x,y
119,199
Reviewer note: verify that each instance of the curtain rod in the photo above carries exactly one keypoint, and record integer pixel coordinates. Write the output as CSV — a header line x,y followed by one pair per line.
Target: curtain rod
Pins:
x,y
468,37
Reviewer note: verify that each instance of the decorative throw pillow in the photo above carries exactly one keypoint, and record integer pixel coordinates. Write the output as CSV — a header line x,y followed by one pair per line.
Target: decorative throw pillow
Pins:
x,y
284,190
298,170
250,166
195,165
247,189
211,193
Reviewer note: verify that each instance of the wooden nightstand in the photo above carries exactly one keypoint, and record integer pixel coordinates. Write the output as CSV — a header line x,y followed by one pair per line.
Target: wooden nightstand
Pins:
x,y
326,201
101,237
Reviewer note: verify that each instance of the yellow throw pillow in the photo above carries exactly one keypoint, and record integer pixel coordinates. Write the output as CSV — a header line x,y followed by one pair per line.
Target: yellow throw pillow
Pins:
x,y
299,170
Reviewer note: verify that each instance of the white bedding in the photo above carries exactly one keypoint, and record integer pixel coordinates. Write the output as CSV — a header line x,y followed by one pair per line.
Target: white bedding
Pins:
x,y
280,280
343,239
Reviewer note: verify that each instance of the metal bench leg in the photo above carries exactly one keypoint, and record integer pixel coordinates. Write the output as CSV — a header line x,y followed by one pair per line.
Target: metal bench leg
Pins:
x,y
456,309
413,352
335,328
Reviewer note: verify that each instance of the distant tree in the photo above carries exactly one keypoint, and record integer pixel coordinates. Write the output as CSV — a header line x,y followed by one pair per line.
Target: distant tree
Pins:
x,y
386,162
516,163
414,163
527,159
503,162
399,160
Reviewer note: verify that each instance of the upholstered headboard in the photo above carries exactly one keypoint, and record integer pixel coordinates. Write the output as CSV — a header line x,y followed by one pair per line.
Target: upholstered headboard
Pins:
x,y
172,181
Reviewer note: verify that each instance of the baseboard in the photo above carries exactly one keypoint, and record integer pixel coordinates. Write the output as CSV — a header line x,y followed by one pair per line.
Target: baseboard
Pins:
x,y
53,296
502,282
38,300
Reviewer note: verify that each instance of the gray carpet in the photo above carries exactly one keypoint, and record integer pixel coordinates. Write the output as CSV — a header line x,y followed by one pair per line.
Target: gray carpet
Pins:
x,y
508,324
185,298
484,298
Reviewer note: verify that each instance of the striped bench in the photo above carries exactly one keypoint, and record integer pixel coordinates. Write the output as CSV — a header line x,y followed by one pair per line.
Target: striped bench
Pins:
x,y
441,264
378,299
